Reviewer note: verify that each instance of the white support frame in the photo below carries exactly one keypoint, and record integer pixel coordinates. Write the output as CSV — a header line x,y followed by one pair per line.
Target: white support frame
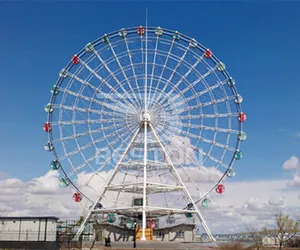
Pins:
x,y
211,237
80,230
144,186
145,183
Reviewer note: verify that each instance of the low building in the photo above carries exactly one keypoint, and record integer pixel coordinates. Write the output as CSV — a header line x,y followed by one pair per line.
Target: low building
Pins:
x,y
269,241
34,231
180,232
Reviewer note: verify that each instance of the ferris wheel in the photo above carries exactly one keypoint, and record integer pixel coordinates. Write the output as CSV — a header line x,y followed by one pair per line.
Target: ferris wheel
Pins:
x,y
145,114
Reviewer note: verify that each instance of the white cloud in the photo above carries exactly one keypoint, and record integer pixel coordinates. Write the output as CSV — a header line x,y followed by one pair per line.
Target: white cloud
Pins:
x,y
291,164
242,203
276,201
37,197
295,182
47,184
250,202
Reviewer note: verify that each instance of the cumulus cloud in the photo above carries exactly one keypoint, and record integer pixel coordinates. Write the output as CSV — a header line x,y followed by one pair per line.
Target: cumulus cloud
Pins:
x,y
250,202
276,201
291,164
295,182
243,202
47,184
38,197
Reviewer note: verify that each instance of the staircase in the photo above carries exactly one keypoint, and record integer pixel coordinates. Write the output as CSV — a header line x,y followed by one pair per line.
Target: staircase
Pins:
x,y
148,233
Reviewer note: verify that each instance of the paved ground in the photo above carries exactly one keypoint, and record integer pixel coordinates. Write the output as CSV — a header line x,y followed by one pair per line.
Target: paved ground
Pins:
x,y
157,245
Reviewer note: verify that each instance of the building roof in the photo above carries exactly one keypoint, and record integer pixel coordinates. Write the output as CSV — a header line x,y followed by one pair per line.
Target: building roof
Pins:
x,y
29,218
176,225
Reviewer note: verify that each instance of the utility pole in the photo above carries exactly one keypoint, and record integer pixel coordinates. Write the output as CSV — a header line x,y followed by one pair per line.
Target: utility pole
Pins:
x,y
134,235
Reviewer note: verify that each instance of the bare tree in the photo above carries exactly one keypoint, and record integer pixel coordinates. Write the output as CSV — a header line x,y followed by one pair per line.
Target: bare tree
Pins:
x,y
285,229
255,235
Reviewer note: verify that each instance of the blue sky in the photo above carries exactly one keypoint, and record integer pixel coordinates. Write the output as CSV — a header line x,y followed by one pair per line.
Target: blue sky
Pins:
x,y
259,42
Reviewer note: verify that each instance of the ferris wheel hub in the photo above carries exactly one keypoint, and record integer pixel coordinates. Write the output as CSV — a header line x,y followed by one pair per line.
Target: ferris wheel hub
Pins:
x,y
145,117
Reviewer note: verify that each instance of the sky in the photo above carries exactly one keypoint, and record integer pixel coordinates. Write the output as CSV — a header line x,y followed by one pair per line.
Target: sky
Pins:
x,y
258,41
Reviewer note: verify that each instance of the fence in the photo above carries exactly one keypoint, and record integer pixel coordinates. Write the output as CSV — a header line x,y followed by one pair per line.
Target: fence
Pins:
x,y
28,240
65,240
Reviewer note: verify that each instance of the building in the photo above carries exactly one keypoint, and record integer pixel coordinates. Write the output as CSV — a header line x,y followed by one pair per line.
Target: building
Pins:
x,y
180,232
270,241
35,232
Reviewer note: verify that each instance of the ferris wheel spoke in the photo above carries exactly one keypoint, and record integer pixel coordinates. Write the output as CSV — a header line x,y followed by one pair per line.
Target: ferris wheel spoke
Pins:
x,y
163,70
85,110
200,138
126,136
197,95
205,154
165,135
100,103
111,135
116,151
87,162
78,122
192,68
152,71
205,104
190,86
179,62
199,105
125,93
207,116
120,95
133,71
107,96
218,162
89,132
215,129
93,143
124,74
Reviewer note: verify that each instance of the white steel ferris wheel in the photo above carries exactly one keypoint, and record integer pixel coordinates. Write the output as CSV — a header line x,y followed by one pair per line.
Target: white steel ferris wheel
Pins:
x,y
145,113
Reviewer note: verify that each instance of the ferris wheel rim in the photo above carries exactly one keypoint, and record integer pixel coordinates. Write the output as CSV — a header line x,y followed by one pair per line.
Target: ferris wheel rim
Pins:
x,y
167,32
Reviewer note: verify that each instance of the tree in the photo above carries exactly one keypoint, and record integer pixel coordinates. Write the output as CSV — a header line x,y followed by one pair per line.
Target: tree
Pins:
x,y
255,235
285,229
